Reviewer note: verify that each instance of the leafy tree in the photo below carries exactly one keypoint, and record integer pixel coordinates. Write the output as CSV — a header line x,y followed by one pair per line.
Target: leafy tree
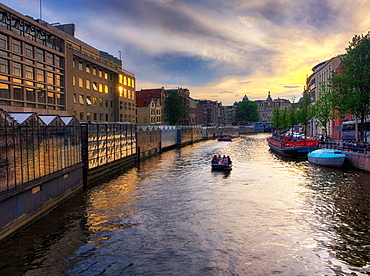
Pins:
x,y
248,111
292,116
174,108
323,108
276,118
352,85
284,117
305,111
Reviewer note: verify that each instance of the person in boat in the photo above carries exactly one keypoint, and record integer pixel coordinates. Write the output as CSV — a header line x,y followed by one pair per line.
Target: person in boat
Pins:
x,y
225,161
219,158
229,160
215,159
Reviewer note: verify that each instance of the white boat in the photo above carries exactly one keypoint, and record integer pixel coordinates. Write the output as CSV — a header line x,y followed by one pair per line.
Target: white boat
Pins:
x,y
327,157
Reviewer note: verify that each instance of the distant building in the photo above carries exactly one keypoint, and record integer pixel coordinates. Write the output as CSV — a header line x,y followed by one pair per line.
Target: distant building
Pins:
x,y
266,107
229,115
149,106
208,112
46,70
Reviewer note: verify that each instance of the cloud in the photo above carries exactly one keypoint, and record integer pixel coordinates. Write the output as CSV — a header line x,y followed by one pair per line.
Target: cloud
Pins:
x,y
212,46
292,86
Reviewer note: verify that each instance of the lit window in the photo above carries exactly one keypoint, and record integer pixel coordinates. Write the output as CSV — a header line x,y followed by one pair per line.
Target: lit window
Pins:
x,y
88,100
74,80
81,98
100,87
106,89
87,84
120,78
106,75
80,82
95,86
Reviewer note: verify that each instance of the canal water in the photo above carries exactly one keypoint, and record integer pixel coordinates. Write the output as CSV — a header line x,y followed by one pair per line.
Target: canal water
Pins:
x,y
172,215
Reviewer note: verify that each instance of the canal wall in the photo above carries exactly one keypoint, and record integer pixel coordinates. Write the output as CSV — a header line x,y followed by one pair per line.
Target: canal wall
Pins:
x,y
359,160
45,159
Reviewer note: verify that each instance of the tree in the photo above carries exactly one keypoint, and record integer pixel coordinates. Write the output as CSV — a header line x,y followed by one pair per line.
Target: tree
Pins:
x,y
248,111
276,118
292,115
305,112
323,108
174,108
352,85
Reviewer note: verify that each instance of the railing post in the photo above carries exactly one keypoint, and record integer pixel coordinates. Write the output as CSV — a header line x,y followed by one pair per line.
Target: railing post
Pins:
x,y
84,153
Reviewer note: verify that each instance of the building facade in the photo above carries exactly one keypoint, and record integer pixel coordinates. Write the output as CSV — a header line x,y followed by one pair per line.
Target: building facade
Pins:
x,y
266,107
46,70
317,83
149,106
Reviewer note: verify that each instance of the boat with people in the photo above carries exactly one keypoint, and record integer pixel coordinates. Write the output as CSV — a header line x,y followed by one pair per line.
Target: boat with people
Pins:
x,y
327,157
289,146
229,138
219,163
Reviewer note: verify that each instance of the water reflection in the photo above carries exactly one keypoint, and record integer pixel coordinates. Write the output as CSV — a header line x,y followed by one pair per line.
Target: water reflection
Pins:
x,y
173,215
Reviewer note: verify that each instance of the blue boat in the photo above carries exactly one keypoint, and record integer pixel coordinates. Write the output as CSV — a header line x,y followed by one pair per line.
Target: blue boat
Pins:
x,y
327,157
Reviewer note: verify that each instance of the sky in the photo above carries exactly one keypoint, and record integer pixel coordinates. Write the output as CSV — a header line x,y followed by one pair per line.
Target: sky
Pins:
x,y
219,50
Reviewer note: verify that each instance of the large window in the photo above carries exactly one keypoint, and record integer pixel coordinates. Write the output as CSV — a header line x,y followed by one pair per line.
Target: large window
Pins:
x,y
4,91
40,55
29,72
17,69
3,41
50,58
29,51
17,46
30,95
41,97
18,93
4,66
40,75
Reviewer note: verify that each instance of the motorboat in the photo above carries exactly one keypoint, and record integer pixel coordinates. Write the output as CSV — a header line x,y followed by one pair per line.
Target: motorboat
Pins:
x,y
327,157
229,138
221,167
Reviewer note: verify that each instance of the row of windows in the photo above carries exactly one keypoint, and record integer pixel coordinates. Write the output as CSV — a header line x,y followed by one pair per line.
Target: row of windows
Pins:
x,y
87,84
104,117
93,70
30,52
95,101
11,94
98,72
24,28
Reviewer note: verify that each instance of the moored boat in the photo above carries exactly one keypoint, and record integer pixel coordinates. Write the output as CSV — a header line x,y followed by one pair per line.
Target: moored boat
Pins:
x,y
292,147
229,138
327,157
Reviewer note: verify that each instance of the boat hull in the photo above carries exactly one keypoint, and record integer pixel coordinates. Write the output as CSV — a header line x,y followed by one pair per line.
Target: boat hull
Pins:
x,y
329,158
229,138
300,152
221,167
292,148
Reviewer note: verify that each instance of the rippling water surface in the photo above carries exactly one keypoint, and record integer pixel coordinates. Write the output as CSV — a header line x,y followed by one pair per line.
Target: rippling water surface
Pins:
x,y
173,216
